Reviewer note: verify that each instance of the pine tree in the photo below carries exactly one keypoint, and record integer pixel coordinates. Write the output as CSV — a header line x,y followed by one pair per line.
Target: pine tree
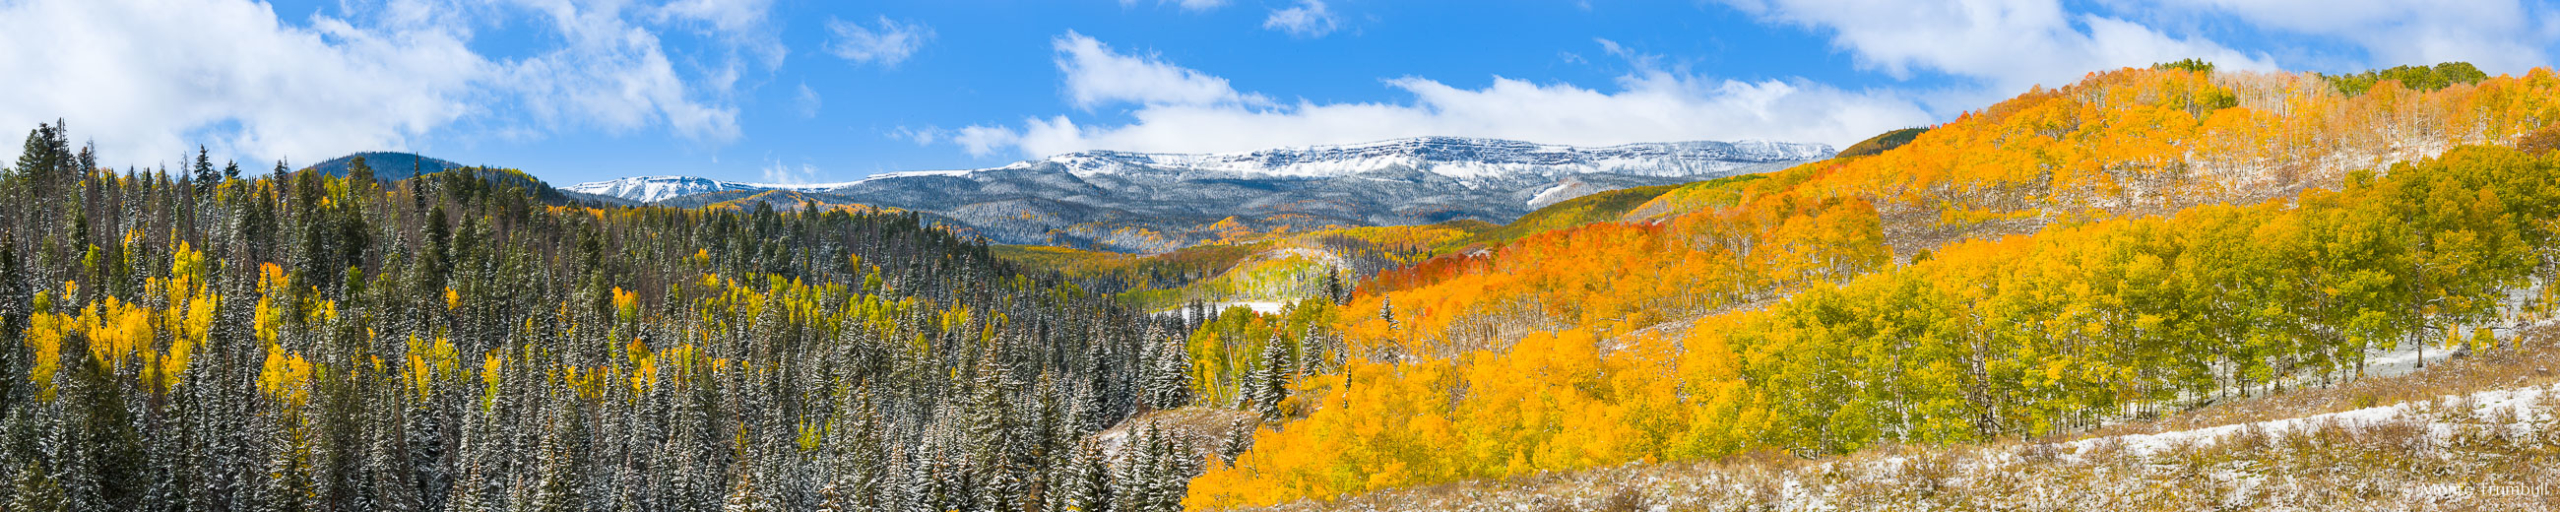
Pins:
x,y
744,497
205,177
1134,475
831,497
33,491
387,466
925,489
1268,385
1083,483
1238,439
1168,382
358,171
1175,465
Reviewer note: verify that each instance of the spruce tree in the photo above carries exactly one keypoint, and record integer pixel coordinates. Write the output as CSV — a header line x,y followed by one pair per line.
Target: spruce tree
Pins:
x,y
1083,482
205,176
1269,384
1168,382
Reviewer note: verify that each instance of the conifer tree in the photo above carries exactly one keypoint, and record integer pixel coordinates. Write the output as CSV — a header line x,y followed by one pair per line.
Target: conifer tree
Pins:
x,y
205,177
1168,378
1268,385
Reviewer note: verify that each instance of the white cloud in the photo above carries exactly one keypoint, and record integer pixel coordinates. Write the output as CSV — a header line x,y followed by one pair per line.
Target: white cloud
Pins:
x,y
987,140
776,172
1310,18
921,136
1098,76
1641,61
148,80
2497,35
807,101
612,74
726,15
887,45
2009,44
742,24
145,78
1187,5
1648,105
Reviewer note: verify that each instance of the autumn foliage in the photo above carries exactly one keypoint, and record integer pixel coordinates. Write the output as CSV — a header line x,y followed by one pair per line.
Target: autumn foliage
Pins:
x,y
2143,240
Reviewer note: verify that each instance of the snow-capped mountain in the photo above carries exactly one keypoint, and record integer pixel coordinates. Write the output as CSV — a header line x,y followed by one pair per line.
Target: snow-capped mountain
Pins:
x,y
1159,201
651,189
1457,157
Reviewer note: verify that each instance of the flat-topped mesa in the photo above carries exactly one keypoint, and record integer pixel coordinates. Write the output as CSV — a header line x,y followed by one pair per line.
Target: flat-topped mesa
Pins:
x,y
650,189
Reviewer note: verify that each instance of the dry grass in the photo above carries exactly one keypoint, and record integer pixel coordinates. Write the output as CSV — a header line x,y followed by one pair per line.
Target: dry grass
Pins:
x,y
1200,429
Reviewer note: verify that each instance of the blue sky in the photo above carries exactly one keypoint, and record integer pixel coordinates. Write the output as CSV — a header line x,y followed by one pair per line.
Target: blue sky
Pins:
x,y
808,91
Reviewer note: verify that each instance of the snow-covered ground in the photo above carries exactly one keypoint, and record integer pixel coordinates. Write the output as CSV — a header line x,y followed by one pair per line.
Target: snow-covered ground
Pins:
x,y
2519,404
1264,307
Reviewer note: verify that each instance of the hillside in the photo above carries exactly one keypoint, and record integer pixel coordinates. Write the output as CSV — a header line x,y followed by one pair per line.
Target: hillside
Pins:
x,y
1882,142
2465,435
1259,268
2143,242
1282,266
304,341
387,166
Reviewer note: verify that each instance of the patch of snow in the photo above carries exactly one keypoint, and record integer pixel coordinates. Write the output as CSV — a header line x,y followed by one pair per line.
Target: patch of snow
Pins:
x,y
2492,403
1263,307
1470,161
1541,198
1456,157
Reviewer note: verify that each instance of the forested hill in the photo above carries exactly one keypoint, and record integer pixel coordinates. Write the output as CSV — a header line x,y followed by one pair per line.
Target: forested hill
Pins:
x,y
386,165
2141,242
304,341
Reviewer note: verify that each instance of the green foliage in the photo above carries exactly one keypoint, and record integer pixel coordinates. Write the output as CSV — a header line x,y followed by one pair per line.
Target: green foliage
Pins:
x,y
1606,206
2199,66
2033,335
2416,78
1881,142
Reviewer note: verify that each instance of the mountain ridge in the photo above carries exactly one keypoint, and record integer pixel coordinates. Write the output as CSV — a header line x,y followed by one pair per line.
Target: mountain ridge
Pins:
x,y
387,165
1155,202
1306,162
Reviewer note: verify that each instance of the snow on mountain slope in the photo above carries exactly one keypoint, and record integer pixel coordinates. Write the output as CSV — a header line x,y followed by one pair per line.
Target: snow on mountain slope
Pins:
x,y
654,188
1457,158
650,189
1152,202
1454,157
